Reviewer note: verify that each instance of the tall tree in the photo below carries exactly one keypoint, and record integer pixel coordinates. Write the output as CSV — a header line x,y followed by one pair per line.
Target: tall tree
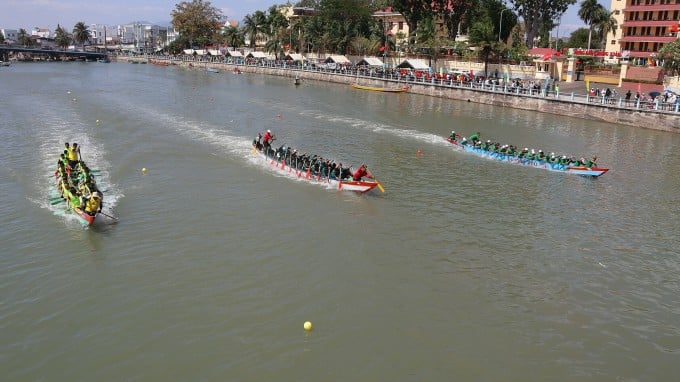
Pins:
x,y
536,12
61,37
233,36
81,34
23,37
605,23
669,55
588,13
483,36
254,25
198,20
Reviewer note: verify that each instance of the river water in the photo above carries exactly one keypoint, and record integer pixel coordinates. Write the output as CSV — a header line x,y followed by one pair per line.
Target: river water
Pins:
x,y
464,269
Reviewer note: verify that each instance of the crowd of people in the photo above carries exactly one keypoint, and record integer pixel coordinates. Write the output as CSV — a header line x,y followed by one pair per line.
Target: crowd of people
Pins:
x,y
526,153
75,182
314,165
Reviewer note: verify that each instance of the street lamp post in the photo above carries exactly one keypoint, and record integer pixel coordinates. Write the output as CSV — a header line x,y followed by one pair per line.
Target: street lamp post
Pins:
x,y
500,24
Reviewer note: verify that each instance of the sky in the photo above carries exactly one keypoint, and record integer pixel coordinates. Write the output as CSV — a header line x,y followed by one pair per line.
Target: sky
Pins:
x,y
27,14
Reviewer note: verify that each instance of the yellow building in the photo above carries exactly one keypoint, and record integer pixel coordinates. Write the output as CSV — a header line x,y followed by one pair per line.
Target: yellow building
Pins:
x,y
644,26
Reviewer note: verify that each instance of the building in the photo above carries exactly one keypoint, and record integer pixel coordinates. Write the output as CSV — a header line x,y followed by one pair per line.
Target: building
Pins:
x,y
644,27
41,32
10,35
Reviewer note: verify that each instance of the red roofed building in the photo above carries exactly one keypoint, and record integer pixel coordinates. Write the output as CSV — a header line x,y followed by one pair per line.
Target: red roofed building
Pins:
x,y
644,26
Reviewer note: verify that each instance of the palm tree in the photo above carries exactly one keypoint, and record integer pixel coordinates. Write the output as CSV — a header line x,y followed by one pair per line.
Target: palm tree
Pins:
x,y
61,37
588,13
604,24
234,36
254,25
81,34
483,35
23,37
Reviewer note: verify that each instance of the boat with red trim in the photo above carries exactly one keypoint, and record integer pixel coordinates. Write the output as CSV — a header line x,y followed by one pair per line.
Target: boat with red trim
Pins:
x,y
77,189
313,170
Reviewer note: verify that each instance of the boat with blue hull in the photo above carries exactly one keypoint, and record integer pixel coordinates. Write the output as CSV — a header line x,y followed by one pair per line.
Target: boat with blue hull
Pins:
x,y
560,167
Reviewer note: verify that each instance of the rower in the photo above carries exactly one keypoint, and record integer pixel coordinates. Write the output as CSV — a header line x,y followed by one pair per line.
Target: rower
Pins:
x,y
93,204
452,137
361,172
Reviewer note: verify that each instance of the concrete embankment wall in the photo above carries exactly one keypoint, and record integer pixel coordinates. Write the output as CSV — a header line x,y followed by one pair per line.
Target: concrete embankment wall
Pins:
x,y
657,120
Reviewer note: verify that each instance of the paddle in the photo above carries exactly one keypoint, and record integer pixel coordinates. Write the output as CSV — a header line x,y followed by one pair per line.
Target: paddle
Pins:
x,y
380,187
109,216
57,201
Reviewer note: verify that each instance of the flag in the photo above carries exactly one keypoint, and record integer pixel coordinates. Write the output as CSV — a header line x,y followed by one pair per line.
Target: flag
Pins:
x,y
382,48
639,88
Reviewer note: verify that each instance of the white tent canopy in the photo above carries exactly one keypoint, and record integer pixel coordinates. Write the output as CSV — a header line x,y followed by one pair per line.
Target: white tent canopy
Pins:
x,y
234,53
294,57
337,60
370,61
214,52
414,64
256,55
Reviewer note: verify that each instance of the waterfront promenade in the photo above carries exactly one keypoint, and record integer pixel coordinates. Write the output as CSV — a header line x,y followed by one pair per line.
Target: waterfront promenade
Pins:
x,y
571,99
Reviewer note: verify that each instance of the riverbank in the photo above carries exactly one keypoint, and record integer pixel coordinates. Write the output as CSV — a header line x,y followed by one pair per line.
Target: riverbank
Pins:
x,y
566,102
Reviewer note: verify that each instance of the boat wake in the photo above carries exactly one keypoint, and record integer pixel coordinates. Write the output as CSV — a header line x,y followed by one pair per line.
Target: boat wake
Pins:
x,y
381,128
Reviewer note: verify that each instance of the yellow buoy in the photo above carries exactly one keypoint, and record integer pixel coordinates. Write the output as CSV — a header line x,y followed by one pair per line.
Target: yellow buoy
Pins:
x,y
144,170
308,326
97,122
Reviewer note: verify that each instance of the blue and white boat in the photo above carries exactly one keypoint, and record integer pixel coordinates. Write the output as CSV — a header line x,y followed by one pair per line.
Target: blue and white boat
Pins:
x,y
580,170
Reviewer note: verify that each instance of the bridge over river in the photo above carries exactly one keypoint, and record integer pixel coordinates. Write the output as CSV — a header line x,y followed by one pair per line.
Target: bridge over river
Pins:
x,y
51,53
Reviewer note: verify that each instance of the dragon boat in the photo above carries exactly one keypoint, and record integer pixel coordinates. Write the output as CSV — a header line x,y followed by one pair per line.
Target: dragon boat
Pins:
x,y
310,174
556,166
64,193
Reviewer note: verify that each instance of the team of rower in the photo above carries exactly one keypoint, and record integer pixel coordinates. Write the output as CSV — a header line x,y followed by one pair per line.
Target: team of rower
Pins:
x,y
527,154
76,183
313,164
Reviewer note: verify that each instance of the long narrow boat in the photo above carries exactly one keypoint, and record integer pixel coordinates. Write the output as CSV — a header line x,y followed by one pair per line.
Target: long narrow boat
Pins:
x,y
310,176
578,170
379,89
64,195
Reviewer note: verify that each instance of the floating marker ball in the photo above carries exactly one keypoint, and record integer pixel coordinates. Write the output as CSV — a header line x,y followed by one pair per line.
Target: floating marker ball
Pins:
x,y
308,326
68,92
144,170
74,100
419,152
97,122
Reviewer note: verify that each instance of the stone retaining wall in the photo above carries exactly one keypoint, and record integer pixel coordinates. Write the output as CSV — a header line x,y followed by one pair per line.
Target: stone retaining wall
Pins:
x,y
656,120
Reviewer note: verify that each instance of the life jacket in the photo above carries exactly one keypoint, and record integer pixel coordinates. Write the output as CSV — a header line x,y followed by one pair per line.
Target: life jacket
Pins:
x,y
72,154
92,205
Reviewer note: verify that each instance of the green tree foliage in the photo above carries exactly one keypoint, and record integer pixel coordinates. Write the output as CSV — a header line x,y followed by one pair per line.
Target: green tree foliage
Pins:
x,y
255,25
579,39
669,55
588,12
483,36
537,12
61,37
80,33
234,37
24,38
198,21
604,23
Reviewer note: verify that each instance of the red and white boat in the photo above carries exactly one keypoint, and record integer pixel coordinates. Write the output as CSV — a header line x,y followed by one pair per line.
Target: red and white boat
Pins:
x,y
308,175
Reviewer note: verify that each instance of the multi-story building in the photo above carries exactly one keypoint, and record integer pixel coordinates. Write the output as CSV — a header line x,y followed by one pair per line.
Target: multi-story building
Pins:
x,y
10,35
41,32
644,26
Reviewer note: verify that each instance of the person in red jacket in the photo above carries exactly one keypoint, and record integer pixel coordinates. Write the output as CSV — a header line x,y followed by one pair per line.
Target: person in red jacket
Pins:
x,y
361,172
